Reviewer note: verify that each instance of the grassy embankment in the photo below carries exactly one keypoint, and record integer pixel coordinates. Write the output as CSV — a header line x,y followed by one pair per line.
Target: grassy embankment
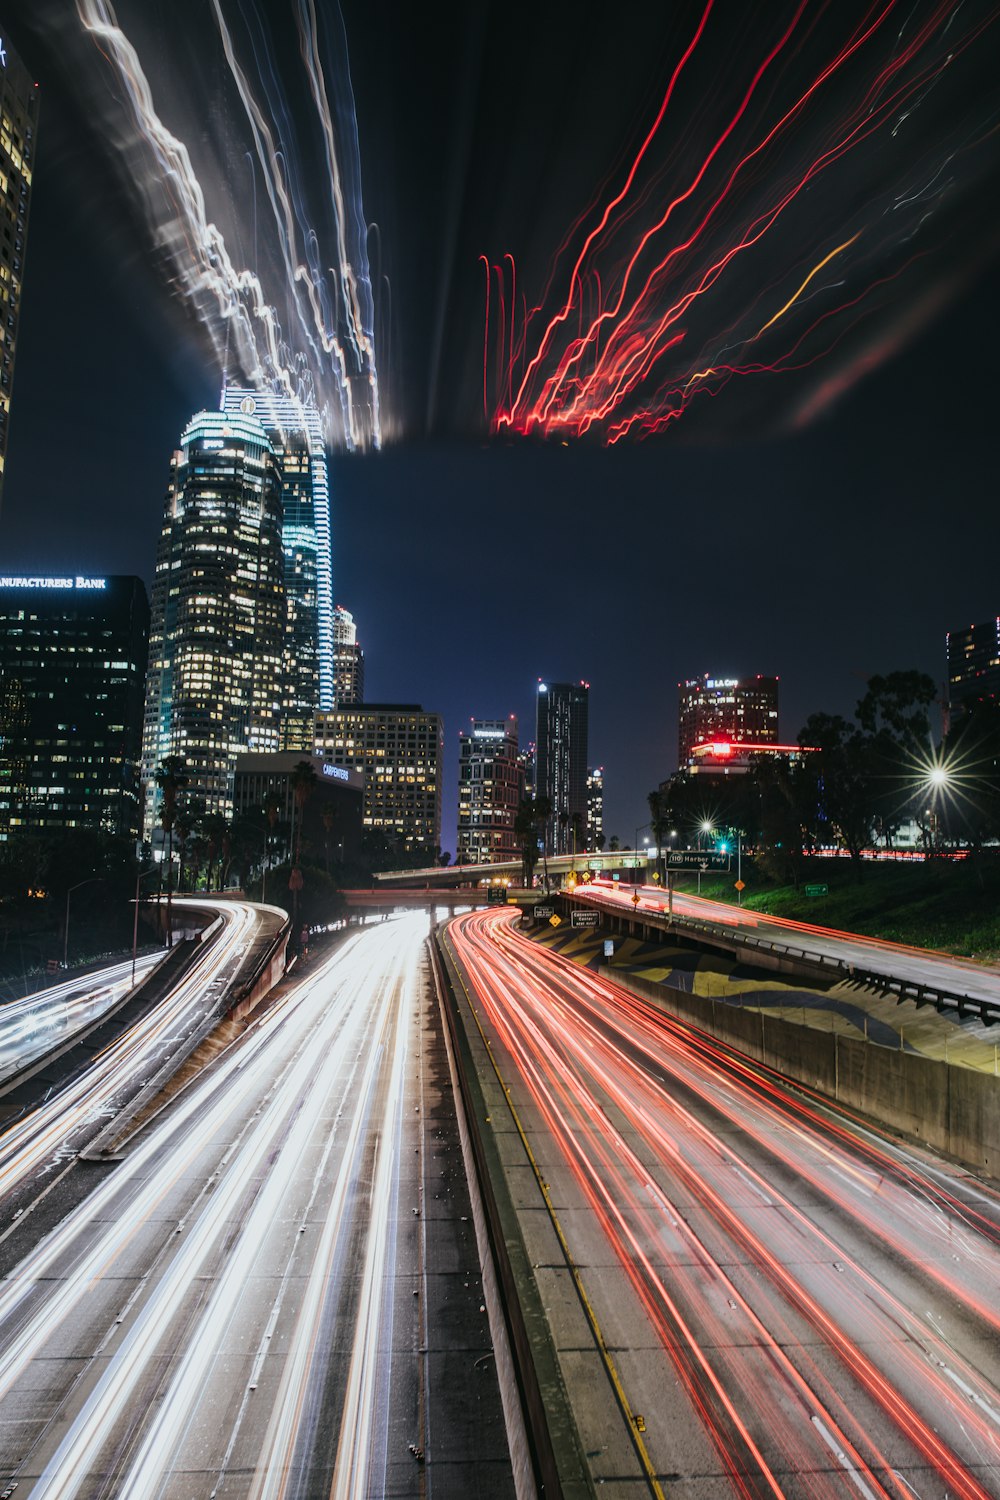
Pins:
x,y
941,904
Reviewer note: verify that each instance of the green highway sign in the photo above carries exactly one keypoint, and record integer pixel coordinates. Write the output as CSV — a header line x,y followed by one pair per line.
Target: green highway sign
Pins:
x,y
696,859
817,890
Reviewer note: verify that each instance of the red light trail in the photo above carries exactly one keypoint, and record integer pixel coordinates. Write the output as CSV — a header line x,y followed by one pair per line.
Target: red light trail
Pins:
x,y
790,229
785,1262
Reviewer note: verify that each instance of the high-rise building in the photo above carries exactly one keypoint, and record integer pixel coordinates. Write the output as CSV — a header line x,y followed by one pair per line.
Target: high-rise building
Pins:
x,y
561,761
490,787
348,660
18,128
595,807
974,663
72,667
732,709
398,747
308,665
217,635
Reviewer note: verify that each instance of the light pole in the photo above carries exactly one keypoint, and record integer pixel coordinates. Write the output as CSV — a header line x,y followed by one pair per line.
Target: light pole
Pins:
x,y
94,880
139,876
704,830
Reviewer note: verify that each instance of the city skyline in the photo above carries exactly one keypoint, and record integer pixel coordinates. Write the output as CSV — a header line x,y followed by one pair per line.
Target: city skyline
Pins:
x,y
824,554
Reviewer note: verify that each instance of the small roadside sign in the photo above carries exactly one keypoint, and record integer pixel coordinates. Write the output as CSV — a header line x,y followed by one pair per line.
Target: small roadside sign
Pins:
x,y
817,890
636,898
585,918
542,913
609,947
741,885
555,919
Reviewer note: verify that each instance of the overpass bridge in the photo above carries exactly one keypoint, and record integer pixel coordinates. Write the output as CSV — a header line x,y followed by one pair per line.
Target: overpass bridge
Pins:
x,y
443,877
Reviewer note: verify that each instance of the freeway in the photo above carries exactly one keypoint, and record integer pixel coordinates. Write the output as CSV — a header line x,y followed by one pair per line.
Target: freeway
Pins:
x,y
749,1292
33,1025
41,1142
894,960
243,1306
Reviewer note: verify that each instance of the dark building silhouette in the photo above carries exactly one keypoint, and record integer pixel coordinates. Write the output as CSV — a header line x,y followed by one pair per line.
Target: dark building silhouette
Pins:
x,y
18,129
72,666
974,663
561,761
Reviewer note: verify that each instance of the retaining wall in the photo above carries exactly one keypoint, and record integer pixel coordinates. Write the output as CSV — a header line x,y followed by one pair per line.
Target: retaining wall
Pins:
x,y
951,1109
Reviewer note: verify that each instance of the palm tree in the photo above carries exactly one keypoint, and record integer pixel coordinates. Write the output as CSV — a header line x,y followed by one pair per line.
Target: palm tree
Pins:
x,y
185,823
214,825
170,777
303,786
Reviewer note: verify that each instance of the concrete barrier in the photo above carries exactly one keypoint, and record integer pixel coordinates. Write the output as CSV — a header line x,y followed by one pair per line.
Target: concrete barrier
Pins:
x,y
953,1110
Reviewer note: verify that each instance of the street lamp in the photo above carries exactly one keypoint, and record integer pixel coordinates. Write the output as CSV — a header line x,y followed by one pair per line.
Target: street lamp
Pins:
x,y
140,875
94,880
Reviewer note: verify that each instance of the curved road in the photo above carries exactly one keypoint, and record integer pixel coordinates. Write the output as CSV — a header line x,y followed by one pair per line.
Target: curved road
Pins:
x,y
789,1304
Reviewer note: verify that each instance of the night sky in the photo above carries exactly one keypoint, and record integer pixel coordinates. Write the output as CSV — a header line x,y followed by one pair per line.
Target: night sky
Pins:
x,y
823,523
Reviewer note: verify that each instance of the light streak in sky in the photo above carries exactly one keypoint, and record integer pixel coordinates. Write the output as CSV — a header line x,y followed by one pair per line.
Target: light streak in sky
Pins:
x,y
294,313
823,148
751,1286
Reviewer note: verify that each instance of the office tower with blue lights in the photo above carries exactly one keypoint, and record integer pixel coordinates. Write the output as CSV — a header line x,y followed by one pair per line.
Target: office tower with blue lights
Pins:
x,y
295,431
72,667
561,761
214,689
18,128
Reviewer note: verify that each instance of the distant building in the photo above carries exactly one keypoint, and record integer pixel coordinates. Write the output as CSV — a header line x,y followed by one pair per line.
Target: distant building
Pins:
x,y
490,788
217,635
72,667
526,761
331,818
595,807
725,709
728,758
19,121
295,431
348,660
974,664
399,748
561,760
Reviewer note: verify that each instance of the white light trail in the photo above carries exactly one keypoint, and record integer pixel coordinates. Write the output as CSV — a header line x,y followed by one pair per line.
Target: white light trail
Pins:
x,y
291,324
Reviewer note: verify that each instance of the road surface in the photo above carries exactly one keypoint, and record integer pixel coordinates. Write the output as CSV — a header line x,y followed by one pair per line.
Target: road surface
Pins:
x,y
244,1305
750,1293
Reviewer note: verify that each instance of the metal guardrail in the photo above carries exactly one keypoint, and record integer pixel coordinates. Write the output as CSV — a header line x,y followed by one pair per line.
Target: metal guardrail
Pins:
x,y
920,993
246,985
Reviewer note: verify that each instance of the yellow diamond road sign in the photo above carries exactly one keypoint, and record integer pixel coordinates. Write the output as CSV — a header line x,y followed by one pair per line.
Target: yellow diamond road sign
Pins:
x,y
554,920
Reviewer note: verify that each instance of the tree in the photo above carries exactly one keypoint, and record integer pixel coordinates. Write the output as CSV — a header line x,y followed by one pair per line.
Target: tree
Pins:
x,y
841,789
526,830
214,828
170,778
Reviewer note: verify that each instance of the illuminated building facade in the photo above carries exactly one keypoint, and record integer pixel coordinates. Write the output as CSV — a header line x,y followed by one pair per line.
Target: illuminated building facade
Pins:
x,y
216,647
595,807
72,666
348,660
399,748
18,128
726,709
561,760
731,758
296,435
974,664
490,788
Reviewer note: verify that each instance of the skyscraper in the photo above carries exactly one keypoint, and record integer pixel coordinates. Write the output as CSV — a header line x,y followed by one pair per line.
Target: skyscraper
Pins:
x,y
18,125
308,667
974,663
72,666
348,660
561,761
217,635
398,747
726,708
490,787
595,807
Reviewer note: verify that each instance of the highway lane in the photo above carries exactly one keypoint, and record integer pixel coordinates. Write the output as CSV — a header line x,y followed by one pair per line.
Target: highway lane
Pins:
x,y
236,1309
896,960
38,1144
31,1026
795,1306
